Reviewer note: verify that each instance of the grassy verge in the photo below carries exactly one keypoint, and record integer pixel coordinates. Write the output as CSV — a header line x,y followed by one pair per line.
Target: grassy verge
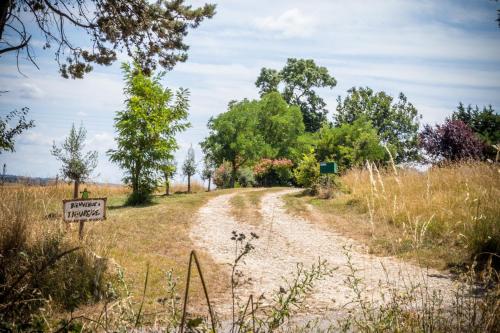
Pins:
x,y
132,238
443,217
158,235
245,206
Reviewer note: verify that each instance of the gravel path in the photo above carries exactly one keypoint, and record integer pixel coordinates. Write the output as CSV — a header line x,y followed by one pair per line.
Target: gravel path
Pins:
x,y
286,240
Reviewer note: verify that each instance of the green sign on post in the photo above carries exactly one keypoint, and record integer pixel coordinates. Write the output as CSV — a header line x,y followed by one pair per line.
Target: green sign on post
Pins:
x,y
327,167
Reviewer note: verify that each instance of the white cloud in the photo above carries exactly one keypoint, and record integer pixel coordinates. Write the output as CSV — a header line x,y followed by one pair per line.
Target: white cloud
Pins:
x,y
101,142
30,91
291,23
36,138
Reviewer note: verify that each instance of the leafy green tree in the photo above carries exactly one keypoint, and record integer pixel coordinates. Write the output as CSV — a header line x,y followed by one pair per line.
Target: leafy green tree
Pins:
x,y
350,144
485,122
279,124
307,172
9,132
151,32
299,78
169,168
396,122
146,130
189,166
208,170
76,166
233,136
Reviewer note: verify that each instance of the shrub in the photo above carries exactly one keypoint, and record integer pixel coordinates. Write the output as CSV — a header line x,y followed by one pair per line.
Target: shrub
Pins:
x,y
273,172
222,175
307,172
245,177
138,198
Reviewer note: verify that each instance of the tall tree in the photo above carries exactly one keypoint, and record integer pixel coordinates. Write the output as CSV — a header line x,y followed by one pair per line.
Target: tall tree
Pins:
x,y
233,136
451,141
208,170
299,78
189,166
76,166
279,124
485,122
8,131
396,122
169,168
146,130
151,32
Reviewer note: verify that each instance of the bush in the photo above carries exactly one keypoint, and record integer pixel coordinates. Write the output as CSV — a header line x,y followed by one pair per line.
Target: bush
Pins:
x,y
273,172
222,175
307,173
245,177
138,198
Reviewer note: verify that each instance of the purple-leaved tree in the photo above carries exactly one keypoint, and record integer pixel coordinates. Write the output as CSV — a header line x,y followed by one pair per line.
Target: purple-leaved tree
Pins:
x,y
451,141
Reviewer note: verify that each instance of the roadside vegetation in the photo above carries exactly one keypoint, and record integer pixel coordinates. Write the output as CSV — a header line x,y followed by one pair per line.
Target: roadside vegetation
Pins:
x,y
48,275
443,217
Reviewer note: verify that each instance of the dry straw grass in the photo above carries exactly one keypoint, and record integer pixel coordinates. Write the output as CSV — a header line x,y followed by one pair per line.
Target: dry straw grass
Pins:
x,y
31,222
441,217
196,187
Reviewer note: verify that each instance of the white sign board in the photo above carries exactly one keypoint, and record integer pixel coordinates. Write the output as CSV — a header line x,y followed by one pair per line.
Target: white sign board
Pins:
x,y
78,210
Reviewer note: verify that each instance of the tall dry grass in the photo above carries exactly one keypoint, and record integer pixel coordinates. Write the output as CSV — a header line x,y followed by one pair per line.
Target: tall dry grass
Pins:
x,y
454,208
42,265
196,187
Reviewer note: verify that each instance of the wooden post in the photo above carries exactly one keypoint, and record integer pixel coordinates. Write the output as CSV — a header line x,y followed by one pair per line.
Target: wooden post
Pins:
x,y
80,230
75,196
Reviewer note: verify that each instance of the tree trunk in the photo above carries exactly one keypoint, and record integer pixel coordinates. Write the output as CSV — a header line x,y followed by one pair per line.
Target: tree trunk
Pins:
x,y
75,189
189,184
167,188
209,179
233,174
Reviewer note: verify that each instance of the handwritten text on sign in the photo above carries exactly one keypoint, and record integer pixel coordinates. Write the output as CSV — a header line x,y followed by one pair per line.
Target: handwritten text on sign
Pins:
x,y
84,209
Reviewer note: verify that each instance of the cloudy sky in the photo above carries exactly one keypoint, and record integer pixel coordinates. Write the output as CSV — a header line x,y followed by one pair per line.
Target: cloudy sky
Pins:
x,y
436,52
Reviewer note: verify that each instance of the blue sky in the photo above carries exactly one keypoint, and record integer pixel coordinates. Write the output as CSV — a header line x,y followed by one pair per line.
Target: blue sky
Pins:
x,y
436,52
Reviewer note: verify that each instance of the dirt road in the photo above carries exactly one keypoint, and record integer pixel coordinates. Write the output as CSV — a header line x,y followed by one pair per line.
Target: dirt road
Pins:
x,y
286,240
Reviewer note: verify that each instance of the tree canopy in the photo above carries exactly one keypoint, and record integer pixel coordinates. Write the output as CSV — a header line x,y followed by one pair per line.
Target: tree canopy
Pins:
x,y
396,122
451,141
349,145
233,136
189,166
280,125
251,130
299,78
146,130
485,122
152,32
76,165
